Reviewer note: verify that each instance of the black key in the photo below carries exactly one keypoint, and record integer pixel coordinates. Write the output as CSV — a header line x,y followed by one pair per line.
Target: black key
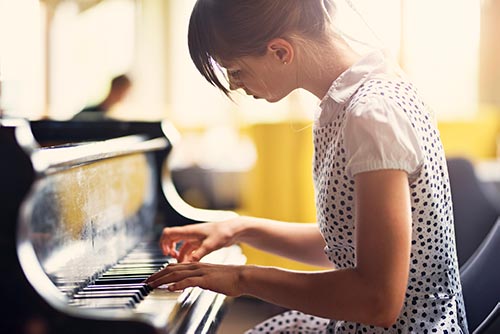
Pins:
x,y
119,281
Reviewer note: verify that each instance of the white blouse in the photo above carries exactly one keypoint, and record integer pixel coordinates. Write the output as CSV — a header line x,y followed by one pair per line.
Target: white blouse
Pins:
x,y
377,133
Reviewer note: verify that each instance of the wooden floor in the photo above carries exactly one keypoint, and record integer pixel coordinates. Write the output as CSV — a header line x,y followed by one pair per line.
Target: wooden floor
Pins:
x,y
243,313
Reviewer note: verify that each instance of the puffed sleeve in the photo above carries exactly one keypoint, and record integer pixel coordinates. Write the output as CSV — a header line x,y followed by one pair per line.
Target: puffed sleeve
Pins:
x,y
379,135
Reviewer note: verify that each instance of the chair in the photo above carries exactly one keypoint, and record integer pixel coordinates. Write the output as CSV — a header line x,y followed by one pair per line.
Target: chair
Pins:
x,y
492,323
480,277
474,212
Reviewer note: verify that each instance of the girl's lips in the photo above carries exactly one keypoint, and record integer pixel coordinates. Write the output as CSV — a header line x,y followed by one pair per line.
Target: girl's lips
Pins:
x,y
254,96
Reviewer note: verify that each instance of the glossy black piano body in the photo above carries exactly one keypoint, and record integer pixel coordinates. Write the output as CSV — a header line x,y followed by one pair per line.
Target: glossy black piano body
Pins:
x,y
73,213
52,132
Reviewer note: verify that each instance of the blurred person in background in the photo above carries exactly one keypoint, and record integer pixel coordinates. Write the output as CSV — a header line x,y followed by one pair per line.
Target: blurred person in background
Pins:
x,y
119,89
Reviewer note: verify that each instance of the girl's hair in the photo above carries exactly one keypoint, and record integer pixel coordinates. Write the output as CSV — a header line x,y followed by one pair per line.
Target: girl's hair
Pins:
x,y
224,30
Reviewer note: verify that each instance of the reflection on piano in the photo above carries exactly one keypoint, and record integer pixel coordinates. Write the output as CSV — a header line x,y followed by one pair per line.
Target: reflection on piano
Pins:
x,y
82,209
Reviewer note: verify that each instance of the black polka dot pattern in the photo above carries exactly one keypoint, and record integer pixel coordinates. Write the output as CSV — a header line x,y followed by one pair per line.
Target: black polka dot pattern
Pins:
x,y
292,322
434,302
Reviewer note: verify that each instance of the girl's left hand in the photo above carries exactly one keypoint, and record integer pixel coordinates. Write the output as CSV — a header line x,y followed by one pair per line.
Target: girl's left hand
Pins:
x,y
223,279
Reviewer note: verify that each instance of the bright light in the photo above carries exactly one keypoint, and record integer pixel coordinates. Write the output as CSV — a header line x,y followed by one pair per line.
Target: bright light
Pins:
x,y
21,58
441,53
88,49
370,24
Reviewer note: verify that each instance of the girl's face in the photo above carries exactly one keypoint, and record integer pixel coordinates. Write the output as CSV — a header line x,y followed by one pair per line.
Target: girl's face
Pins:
x,y
263,77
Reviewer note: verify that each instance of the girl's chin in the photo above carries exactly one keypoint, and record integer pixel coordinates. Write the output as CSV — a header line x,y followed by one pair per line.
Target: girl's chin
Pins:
x,y
273,99
268,99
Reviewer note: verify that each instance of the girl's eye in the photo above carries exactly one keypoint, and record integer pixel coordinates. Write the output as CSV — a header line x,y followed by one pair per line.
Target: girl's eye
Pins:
x,y
234,74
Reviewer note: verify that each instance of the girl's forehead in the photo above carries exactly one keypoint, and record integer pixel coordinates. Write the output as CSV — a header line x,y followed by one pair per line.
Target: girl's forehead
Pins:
x,y
242,62
228,63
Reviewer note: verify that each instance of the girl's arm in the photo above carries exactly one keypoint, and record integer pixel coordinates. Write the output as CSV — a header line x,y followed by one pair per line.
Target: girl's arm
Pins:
x,y
372,293
298,241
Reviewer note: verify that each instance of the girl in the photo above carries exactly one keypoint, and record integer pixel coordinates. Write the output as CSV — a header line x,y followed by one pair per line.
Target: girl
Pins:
x,y
382,193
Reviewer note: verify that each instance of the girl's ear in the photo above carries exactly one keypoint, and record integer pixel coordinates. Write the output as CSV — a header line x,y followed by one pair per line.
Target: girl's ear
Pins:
x,y
281,50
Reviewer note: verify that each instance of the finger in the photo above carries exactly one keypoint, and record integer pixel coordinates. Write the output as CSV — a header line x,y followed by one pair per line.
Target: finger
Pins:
x,y
205,248
168,241
171,235
170,268
177,233
186,249
168,248
186,283
172,277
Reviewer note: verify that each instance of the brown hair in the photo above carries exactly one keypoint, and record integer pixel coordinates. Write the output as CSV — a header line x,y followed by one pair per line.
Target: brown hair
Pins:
x,y
228,29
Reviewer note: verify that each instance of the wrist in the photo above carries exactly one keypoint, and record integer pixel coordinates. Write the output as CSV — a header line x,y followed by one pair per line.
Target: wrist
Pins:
x,y
240,228
245,279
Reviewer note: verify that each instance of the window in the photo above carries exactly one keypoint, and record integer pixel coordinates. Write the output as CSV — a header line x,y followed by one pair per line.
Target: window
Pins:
x,y
437,44
22,58
89,46
440,52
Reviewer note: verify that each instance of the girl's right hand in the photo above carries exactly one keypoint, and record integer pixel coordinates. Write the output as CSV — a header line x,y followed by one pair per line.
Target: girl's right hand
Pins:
x,y
198,239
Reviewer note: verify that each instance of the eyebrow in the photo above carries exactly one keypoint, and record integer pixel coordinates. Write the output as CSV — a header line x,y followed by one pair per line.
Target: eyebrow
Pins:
x,y
227,66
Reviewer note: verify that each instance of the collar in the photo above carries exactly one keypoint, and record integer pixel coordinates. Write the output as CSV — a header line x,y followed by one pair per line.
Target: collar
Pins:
x,y
351,79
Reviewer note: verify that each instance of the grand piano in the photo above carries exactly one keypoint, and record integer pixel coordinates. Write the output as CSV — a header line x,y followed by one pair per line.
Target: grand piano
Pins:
x,y
82,206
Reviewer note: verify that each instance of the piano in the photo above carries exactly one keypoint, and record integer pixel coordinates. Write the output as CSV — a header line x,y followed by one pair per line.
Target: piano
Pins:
x,y
82,208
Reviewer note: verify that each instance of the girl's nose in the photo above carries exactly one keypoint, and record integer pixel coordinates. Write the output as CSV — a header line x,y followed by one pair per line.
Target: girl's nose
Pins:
x,y
233,86
234,83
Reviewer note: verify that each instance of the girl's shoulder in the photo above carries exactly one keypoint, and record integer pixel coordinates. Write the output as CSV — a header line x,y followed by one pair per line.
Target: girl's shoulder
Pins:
x,y
395,92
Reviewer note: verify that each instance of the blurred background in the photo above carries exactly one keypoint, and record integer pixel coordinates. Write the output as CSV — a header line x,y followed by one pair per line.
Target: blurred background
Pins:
x,y
58,56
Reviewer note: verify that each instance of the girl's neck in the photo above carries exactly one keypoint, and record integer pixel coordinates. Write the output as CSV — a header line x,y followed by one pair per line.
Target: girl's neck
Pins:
x,y
318,72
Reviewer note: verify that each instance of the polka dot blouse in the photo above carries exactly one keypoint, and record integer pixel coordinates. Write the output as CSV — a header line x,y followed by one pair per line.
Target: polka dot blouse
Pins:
x,y
371,119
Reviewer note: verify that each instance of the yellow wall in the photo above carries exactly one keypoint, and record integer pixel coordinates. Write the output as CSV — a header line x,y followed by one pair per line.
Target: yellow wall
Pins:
x,y
475,138
280,185
281,181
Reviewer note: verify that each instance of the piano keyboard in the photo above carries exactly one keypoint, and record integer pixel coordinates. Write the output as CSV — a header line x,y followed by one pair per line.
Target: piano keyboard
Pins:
x,y
120,286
